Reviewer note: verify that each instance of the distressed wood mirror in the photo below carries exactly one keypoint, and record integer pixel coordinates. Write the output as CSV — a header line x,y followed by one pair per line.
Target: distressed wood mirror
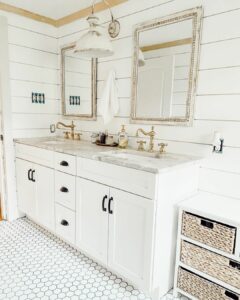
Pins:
x,y
165,68
79,85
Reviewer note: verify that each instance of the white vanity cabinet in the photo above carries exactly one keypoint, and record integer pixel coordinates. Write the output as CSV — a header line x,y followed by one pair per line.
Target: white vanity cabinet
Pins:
x,y
115,227
124,217
25,187
35,184
35,188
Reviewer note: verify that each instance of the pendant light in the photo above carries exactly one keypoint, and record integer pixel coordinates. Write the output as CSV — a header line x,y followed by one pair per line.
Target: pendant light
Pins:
x,y
96,43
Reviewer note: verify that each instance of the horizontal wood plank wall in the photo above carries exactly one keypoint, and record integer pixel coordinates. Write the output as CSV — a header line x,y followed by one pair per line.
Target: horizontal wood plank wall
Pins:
x,y
218,94
33,51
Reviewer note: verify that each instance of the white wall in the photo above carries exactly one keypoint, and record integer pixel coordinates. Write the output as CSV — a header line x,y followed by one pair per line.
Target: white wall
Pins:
x,y
218,93
33,62
34,66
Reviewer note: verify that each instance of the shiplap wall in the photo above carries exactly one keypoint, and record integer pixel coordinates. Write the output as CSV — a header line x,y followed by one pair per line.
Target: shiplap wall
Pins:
x,y
218,93
33,63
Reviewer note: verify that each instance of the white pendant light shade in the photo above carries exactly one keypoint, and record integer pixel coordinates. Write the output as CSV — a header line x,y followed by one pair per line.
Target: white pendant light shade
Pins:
x,y
94,43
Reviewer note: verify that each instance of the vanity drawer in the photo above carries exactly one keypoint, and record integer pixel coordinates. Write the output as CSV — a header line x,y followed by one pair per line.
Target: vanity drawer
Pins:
x,y
65,189
65,163
210,263
34,154
201,288
208,232
65,223
135,181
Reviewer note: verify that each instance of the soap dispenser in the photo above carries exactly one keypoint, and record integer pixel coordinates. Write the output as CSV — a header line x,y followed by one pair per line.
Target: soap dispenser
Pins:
x,y
123,138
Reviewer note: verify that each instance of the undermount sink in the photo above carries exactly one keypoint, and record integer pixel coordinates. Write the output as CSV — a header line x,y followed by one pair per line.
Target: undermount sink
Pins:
x,y
140,156
54,142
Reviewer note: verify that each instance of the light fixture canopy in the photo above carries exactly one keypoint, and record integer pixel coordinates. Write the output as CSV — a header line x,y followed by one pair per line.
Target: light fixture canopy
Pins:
x,y
96,43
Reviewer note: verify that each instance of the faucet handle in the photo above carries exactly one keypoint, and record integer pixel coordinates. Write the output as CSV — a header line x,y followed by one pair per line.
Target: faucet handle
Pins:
x,y
77,136
162,147
141,145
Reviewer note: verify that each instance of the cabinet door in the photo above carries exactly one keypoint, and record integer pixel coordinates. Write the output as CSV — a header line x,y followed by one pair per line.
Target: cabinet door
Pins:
x,y
44,181
25,188
130,237
92,219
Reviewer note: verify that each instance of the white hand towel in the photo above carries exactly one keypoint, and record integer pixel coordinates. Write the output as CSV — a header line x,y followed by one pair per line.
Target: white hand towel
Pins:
x,y
109,101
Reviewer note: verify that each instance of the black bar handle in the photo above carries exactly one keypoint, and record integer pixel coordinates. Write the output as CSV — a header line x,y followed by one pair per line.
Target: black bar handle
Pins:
x,y
231,295
109,206
64,163
64,223
103,203
63,189
32,176
234,264
29,171
207,224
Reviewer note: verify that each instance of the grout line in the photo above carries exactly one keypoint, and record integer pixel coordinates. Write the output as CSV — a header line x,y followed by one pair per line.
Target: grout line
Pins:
x,y
35,49
36,66
39,82
32,31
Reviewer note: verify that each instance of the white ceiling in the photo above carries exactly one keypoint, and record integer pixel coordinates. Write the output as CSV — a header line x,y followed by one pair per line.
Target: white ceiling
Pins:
x,y
51,8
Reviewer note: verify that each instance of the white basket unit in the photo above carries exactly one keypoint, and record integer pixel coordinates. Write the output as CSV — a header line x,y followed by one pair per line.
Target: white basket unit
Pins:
x,y
208,248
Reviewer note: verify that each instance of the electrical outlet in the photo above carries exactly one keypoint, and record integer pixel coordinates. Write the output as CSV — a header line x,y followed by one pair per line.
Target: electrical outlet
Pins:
x,y
38,98
74,100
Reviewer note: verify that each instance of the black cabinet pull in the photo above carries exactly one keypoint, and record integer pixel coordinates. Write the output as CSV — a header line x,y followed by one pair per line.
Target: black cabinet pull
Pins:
x,y
207,224
64,163
64,223
103,203
29,171
231,295
234,264
32,176
63,189
109,206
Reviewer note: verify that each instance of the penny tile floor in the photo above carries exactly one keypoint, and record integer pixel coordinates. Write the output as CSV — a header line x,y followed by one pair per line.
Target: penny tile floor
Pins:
x,y
34,264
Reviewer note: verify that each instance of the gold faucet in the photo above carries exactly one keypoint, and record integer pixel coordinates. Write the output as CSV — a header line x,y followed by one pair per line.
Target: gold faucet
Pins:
x,y
69,135
151,134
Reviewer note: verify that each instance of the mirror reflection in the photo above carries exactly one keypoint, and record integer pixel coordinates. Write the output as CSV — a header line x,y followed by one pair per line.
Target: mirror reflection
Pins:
x,y
165,66
78,85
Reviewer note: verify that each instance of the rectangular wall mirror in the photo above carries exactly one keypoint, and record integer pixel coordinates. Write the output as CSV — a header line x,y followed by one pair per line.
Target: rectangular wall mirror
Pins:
x,y
165,66
79,85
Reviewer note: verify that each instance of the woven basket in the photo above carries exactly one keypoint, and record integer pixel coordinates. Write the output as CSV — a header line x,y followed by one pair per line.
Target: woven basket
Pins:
x,y
210,263
201,288
214,234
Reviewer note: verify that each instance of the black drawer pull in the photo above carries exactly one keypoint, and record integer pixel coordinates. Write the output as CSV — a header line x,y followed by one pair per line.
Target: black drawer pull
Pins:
x,y
103,203
231,295
32,176
64,223
64,163
29,171
234,264
207,224
63,189
109,206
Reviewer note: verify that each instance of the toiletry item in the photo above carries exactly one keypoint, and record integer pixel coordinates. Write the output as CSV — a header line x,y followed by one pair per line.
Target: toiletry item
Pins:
x,y
102,138
109,140
94,137
123,138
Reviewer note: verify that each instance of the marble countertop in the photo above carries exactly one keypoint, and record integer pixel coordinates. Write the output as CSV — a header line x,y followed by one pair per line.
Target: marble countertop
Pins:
x,y
130,158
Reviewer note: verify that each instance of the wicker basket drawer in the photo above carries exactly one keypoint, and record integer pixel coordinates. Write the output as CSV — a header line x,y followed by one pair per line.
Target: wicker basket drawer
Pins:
x,y
211,233
201,288
211,263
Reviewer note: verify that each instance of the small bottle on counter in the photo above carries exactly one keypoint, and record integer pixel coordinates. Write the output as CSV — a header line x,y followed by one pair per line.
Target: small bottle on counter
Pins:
x,y
123,138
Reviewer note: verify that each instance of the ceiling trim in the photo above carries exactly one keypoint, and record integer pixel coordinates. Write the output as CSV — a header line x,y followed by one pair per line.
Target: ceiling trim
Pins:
x,y
27,14
85,12
62,21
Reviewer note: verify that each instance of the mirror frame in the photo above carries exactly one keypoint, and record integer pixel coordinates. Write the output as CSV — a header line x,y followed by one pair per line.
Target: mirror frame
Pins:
x,y
93,115
196,15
